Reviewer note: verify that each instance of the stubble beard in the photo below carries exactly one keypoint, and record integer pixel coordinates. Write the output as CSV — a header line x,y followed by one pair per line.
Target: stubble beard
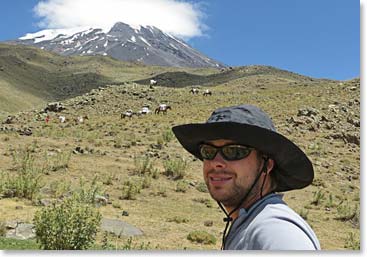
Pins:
x,y
233,196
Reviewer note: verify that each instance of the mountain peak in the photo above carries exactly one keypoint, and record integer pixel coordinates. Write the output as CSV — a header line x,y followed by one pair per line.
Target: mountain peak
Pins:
x,y
145,44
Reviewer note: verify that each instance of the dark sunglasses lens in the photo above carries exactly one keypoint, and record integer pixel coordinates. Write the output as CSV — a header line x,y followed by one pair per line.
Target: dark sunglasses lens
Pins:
x,y
208,152
235,152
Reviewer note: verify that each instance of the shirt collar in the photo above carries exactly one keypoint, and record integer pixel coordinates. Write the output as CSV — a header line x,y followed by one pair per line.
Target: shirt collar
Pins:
x,y
243,212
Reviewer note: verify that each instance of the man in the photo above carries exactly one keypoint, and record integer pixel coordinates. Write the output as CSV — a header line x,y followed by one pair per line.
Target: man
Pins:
x,y
245,161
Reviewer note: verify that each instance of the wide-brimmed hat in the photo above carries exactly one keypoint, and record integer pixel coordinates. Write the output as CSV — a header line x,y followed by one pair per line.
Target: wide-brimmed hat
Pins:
x,y
249,125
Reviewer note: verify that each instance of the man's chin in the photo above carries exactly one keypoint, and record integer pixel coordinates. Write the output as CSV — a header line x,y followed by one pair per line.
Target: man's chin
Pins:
x,y
219,196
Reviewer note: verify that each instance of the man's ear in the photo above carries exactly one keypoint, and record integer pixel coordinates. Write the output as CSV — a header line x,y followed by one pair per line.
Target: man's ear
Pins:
x,y
270,165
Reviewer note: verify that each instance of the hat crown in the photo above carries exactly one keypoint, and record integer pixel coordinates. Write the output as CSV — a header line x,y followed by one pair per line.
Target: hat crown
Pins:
x,y
244,114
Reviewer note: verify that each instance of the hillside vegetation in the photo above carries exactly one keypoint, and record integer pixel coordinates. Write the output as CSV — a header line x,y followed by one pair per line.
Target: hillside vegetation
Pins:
x,y
136,163
30,77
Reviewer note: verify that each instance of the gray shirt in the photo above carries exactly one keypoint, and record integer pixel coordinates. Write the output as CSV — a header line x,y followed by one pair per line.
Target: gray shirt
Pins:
x,y
271,225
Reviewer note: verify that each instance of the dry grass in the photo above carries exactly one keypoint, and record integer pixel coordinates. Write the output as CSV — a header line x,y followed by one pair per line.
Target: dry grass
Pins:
x,y
112,143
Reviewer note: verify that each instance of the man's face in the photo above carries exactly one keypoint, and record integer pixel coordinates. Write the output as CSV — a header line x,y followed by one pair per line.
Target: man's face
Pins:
x,y
229,181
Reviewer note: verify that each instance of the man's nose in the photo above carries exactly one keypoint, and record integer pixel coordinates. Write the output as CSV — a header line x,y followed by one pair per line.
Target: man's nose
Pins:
x,y
218,161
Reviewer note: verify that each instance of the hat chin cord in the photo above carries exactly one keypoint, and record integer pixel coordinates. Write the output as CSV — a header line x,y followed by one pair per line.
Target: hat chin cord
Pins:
x,y
228,217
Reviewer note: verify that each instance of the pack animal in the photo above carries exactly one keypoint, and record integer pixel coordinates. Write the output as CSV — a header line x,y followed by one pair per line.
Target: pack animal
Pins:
x,y
162,108
207,92
127,114
194,91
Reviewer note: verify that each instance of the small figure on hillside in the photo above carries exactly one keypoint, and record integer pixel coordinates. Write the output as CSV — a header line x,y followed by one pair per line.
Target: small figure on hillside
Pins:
x,y
9,120
207,92
245,163
162,108
194,91
47,119
152,83
129,114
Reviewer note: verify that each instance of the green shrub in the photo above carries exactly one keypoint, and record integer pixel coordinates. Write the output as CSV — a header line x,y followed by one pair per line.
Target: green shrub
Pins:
x,y
206,202
346,212
87,194
23,159
167,135
178,220
26,180
201,187
175,168
182,186
72,225
146,181
318,197
129,245
59,161
2,229
352,242
330,202
160,191
24,184
130,190
60,189
143,165
201,237
304,214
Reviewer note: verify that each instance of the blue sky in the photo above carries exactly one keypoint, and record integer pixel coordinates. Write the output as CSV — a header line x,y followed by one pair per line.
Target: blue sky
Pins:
x,y
317,38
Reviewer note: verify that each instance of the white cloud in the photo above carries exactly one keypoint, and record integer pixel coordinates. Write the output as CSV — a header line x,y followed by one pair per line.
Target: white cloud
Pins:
x,y
180,18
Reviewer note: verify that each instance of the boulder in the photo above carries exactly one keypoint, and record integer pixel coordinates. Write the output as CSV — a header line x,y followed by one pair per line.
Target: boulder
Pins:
x,y
119,227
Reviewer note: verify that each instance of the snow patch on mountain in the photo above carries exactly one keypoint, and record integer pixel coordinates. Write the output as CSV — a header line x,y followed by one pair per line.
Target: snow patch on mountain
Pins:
x,y
146,44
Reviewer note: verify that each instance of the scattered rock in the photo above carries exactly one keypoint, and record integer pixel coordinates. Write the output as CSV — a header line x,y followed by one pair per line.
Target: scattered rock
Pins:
x,y
119,228
19,230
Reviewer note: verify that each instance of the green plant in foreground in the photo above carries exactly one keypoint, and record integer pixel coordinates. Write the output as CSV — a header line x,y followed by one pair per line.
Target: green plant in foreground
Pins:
x,y
175,168
318,197
72,225
304,214
201,237
130,190
24,184
352,242
182,186
143,165
2,229
167,135
346,212
88,194
58,162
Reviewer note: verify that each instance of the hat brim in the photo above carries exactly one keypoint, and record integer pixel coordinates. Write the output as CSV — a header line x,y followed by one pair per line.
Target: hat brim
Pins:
x,y
294,169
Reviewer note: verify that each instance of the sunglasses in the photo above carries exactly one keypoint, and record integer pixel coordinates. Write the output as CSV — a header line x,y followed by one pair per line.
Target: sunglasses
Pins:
x,y
230,152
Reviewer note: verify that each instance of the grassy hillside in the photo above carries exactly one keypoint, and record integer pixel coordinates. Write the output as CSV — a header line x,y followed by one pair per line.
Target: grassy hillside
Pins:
x,y
184,79
321,116
30,77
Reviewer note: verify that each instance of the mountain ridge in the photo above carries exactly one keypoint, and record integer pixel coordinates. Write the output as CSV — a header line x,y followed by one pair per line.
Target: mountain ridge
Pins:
x,y
146,44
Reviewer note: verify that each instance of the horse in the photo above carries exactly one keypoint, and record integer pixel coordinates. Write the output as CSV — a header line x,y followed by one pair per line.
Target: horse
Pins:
x,y
144,110
162,108
194,90
207,92
128,113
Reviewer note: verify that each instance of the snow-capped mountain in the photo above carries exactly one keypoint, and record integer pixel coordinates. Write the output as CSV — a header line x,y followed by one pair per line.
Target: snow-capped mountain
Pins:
x,y
148,45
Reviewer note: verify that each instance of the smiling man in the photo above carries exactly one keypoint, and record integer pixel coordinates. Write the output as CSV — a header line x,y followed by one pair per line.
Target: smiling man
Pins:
x,y
245,164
